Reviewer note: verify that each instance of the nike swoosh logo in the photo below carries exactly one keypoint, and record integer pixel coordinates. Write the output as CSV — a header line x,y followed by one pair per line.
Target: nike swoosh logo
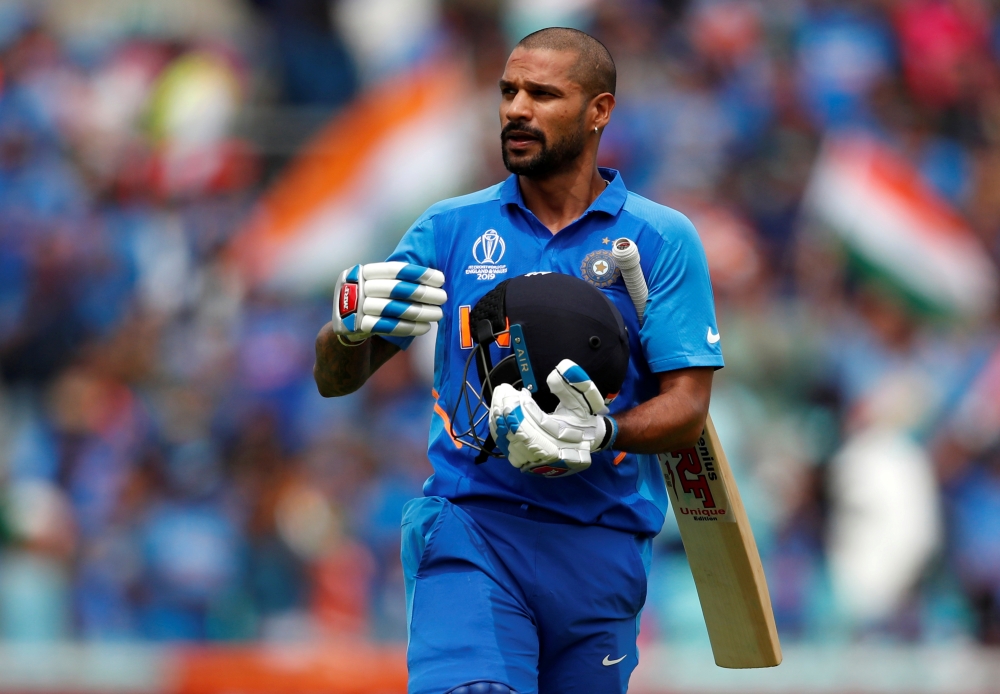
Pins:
x,y
614,662
713,337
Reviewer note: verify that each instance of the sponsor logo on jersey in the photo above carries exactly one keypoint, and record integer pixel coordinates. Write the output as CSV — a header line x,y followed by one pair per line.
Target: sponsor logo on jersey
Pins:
x,y
488,251
600,269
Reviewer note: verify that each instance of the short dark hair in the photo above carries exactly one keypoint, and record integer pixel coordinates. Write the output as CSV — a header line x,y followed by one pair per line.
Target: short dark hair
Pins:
x,y
594,71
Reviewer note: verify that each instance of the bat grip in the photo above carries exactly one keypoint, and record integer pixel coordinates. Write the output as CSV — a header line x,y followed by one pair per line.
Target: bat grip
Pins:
x,y
626,255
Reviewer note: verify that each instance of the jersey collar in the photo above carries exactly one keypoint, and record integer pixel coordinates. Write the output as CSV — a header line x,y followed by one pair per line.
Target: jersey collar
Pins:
x,y
609,201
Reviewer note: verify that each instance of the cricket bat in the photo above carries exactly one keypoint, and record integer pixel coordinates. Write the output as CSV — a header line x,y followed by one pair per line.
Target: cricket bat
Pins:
x,y
714,529
722,554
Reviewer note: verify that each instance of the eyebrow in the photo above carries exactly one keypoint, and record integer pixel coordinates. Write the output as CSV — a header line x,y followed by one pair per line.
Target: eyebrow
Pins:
x,y
534,85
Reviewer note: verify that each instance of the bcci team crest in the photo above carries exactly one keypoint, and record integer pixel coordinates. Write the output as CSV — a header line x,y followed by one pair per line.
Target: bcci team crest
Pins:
x,y
599,268
487,251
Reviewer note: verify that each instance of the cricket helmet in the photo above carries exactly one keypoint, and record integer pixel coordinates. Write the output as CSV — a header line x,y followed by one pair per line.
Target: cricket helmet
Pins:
x,y
542,318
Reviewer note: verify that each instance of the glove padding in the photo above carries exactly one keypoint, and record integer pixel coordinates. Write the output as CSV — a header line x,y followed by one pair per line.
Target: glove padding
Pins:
x,y
387,299
554,444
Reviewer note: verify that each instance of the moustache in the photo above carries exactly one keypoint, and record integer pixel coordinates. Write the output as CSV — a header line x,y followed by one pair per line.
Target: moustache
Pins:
x,y
519,129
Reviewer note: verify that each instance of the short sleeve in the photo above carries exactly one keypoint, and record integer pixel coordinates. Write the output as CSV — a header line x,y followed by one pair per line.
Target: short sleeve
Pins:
x,y
417,247
680,328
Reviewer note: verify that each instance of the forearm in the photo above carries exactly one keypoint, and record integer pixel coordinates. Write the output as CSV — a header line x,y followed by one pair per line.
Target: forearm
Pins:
x,y
671,420
340,369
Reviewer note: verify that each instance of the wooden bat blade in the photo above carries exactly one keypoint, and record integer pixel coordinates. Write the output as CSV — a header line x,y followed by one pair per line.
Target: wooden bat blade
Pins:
x,y
722,554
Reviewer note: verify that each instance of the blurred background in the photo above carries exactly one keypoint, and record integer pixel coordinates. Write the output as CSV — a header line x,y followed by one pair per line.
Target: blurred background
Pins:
x,y
181,183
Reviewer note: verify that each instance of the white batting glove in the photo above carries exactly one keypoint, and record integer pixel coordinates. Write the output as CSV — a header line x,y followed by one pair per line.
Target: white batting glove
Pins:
x,y
554,444
392,298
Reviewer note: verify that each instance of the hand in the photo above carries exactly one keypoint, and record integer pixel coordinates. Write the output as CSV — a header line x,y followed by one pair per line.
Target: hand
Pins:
x,y
551,444
387,299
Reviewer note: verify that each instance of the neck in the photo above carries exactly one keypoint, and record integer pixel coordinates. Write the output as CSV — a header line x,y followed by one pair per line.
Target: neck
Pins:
x,y
559,200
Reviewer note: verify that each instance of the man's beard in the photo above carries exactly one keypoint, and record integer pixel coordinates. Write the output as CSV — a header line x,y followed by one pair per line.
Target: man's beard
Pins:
x,y
548,160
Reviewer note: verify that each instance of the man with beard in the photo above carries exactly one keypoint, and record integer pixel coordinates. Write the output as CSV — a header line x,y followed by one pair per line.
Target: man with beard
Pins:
x,y
516,582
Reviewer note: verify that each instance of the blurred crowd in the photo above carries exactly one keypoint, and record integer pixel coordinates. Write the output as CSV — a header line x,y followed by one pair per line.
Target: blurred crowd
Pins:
x,y
167,469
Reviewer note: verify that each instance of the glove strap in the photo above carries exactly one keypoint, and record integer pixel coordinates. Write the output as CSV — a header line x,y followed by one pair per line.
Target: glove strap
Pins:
x,y
610,433
351,343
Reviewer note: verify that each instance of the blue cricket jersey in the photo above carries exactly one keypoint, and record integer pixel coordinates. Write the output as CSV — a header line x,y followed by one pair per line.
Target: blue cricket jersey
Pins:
x,y
481,239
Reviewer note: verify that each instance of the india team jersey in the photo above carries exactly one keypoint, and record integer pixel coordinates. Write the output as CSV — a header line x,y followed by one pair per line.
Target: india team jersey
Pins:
x,y
481,239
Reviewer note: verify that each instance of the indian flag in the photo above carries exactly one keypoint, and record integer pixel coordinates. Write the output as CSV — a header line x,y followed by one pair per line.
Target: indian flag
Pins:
x,y
877,203
354,189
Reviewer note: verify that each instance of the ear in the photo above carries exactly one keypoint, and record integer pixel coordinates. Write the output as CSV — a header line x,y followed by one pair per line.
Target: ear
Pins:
x,y
601,107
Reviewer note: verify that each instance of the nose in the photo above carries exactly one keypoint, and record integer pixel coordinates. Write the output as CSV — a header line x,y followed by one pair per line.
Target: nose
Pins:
x,y
520,107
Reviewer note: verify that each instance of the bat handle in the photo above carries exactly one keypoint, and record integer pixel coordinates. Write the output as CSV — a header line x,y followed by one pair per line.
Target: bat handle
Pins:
x,y
626,255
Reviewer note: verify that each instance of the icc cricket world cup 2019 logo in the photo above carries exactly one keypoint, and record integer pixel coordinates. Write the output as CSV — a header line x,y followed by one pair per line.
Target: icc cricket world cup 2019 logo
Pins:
x,y
489,248
487,251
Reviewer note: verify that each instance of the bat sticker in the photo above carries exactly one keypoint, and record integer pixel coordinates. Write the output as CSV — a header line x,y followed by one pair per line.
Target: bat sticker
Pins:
x,y
694,485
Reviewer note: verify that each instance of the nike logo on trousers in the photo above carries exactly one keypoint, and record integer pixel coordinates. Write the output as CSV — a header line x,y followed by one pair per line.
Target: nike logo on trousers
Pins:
x,y
607,660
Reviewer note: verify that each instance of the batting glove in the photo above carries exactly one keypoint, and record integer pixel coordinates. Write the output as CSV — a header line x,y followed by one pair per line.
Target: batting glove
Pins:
x,y
554,444
387,299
